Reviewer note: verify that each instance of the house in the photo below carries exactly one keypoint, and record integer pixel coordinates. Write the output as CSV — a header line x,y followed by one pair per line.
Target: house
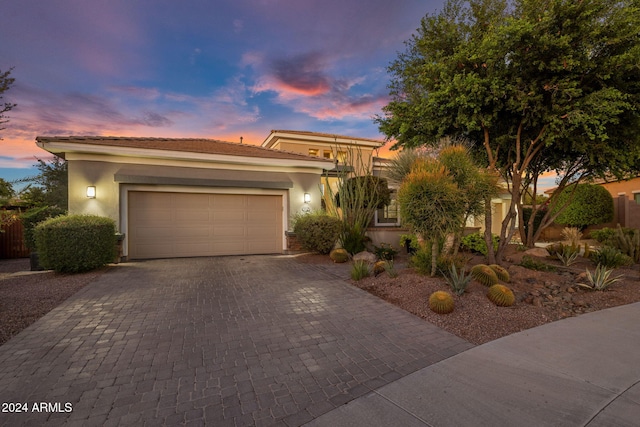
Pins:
x,y
345,151
626,201
190,197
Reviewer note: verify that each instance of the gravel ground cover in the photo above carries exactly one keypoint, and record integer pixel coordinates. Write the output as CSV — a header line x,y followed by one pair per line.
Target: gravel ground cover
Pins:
x,y
26,296
541,296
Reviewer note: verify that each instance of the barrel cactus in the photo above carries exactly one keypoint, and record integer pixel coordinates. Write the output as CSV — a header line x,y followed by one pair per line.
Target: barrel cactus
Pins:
x,y
441,302
379,267
484,274
339,255
501,272
501,295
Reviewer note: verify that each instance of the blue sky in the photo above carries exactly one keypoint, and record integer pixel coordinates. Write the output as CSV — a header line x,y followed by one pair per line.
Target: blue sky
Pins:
x,y
215,69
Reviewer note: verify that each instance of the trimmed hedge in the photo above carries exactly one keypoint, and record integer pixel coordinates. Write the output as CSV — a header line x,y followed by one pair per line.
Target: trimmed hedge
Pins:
x,y
317,232
75,243
591,204
33,217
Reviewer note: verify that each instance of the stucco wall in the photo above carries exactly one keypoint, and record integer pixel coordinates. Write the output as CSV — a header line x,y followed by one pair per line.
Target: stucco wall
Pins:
x,y
83,173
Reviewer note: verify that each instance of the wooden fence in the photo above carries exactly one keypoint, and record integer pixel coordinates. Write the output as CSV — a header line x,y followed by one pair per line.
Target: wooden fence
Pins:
x,y
12,241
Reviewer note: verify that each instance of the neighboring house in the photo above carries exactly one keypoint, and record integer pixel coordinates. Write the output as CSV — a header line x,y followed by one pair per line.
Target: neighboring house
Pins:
x,y
626,201
189,197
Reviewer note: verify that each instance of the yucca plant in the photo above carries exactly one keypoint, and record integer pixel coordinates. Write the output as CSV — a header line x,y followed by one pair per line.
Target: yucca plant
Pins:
x,y
572,235
458,280
360,270
600,279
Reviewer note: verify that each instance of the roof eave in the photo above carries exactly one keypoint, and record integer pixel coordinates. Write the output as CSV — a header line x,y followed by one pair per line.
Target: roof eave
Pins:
x,y
60,148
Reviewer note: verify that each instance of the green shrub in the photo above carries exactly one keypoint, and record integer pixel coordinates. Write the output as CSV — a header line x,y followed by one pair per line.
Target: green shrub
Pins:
x,y
75,243
610,257
475,243
412,241
590,204
360,270
385,251
32,217
317,232
421,260
604,235
532,264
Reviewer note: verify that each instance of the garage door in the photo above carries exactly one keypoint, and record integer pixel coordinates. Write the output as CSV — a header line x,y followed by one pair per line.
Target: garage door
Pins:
x,y
168,225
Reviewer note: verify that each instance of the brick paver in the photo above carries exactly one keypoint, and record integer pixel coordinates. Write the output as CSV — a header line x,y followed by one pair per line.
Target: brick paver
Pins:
x,y
238,341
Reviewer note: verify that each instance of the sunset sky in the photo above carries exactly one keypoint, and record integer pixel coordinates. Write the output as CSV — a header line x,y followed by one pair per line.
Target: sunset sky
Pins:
x,y
196,68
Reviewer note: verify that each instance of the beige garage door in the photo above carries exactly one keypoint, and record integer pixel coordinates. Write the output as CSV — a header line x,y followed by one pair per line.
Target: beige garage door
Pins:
x,y
167,225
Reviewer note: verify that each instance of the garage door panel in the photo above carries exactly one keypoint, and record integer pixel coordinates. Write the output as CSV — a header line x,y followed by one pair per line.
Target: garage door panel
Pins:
x,y
202,215
163,225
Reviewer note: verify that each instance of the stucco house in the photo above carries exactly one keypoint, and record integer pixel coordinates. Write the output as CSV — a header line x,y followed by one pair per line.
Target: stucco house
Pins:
x,y
189,197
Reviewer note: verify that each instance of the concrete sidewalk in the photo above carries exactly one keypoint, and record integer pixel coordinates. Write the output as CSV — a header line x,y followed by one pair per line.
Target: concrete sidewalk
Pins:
x,y
581,371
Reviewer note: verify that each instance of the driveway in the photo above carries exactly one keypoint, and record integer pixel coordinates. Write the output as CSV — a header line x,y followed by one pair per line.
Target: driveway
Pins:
x,y
260,340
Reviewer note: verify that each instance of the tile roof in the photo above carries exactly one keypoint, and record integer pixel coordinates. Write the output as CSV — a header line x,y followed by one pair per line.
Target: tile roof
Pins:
x,y
194,145
326,135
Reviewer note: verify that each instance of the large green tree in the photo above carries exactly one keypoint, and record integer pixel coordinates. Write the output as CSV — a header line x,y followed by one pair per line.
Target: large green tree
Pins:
x,y
5,83
539,85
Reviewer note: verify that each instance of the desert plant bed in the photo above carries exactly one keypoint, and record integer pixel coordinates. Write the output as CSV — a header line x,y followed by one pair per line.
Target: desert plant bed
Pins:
x,y
540,296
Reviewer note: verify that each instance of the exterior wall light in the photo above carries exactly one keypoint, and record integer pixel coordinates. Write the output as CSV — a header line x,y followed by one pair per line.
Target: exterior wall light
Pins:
x,y
91,192
307,197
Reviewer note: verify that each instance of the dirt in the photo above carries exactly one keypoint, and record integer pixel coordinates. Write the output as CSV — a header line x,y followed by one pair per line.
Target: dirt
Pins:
x,y
541,296
27,296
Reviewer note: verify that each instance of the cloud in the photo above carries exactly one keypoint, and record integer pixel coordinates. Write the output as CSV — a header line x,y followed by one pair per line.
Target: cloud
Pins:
x,y
302,74
307,83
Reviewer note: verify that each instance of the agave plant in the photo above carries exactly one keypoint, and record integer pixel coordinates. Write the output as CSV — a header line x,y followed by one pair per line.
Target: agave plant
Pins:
x,y
568,255
457,280
600,279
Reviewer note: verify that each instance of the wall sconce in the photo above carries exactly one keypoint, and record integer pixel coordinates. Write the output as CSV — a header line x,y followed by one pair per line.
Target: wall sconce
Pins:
x,y
91,192
307,197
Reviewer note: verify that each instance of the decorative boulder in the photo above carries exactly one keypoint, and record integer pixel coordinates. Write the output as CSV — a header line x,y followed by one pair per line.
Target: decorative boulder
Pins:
x,y
365,256
539,252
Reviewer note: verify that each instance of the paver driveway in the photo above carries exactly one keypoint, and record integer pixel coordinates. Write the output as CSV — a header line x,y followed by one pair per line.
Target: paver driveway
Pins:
x,y
261,340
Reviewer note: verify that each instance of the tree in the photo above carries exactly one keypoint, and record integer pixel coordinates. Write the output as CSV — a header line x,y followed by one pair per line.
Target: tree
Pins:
x,y
5,107
356,200
586,204
49,187
537,85
6,190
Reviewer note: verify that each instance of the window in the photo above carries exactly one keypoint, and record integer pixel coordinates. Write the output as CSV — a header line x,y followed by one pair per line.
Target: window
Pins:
x,y
327,154
341,156
388,216
636,197
313,151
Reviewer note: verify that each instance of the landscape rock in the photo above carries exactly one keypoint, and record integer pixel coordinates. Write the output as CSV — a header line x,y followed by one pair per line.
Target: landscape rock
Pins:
x,y
538,252
365,256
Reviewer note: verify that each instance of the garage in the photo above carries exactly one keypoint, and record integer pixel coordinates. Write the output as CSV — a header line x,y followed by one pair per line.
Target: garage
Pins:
x,y
173,224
